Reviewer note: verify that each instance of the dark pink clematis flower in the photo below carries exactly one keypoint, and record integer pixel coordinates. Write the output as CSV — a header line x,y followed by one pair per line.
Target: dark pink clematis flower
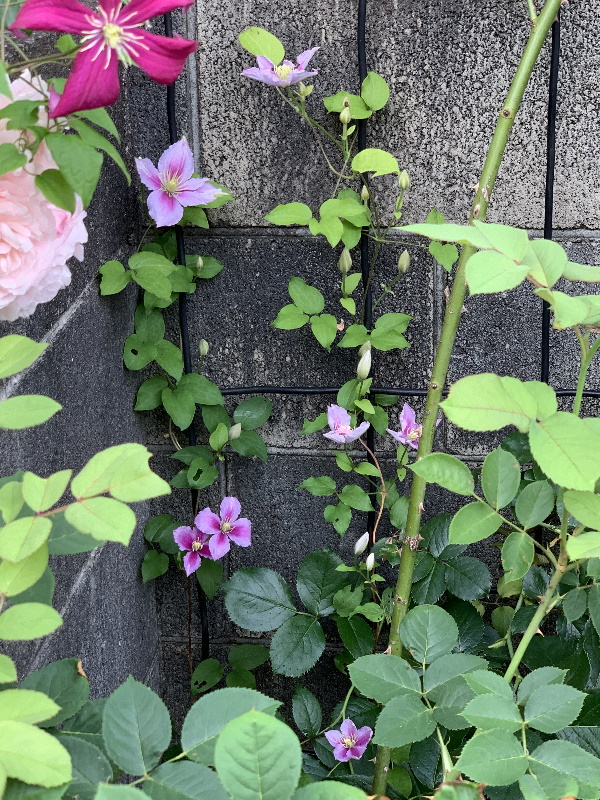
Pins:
x,y
349,742
286,74
409,433
341,431
227,528
110,34
172,186
194,541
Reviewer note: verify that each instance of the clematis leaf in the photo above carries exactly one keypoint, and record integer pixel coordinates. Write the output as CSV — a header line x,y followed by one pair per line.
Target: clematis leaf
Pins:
x,y
260,42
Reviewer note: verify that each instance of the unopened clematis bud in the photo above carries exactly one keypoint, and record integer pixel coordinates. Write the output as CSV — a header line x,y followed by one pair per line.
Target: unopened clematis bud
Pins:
x,y
199,264
364,348
235,431
345,115
345,261
304,90
364,366
404,180
370,562
404,263
361,544
203,347
346,102
364,194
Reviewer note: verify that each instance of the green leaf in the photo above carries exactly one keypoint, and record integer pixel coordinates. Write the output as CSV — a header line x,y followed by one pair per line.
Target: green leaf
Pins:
x,y
374,160
585,507
26,705
447,471
494,757
448,232
260,42
149,395
305,297
581,272
248,656
249,444
210,577
467,578
79,163
319,487
586,545
63,682
136,727
111,792
331,228
8,671
137,353
446,255
210,268
554,758
356,635
205,392
375,91
489,711
551,708
11,500
103,518
26,411
154,565
55,188
517,555
404,720
324,328
574,605
253,412
318,581
40,494
534,504
149,324
329,790
290,214
340,517
383,677
356,497
289,318
184,781
16,577
258,599
594,605
42,591
28,621
90,767
5,83
101,118
307,711
547,261
17,353
488,272
358,107
296,646
94,139
211,713
180,406
474,522
23,537
500,478
544,676
194,216
428,632
258,757
33,756
448,668
154,281
564,446
206,675
240,678
354,336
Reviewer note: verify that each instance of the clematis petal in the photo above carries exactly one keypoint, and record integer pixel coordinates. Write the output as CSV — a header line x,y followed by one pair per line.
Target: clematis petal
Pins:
x,y
177,160
230,509
340,753
92,83
333,737
264,63
335,437
164,208
305,57
68,16
364,736
148,173
197,192
241,532
208,522
184,536
357,432
407,416
337,416
141,10
348,729
218,545
413,444
356,751
301,75
161,57
110,6
398,435
191,562
255,73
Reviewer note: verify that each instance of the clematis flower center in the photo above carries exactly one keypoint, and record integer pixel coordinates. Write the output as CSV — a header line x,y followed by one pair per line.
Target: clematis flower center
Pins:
x,y
196,546
415,433
226,527
283,71
171,185
348,741
343,429
113,35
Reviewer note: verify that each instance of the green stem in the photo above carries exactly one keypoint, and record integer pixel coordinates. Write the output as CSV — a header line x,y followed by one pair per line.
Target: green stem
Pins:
x,y
532,12
384,755
587,356
487,180
447,764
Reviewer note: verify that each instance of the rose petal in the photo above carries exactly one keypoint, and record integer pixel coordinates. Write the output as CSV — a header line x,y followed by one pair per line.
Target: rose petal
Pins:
x,y
177,160
218,545
241,532
230,509
191,562
208,522
184,536
164,208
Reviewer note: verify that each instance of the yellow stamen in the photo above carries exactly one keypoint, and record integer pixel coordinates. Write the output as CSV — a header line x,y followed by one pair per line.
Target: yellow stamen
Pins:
x,y
226,527
196,546
348,742
112,34
171,185
283,71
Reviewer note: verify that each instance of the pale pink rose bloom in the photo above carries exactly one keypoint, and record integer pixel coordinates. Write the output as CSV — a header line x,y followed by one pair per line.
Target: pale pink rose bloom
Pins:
x,y
36,237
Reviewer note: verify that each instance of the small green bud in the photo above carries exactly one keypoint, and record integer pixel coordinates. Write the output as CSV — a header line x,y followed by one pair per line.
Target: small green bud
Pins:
x,y
346,102
345,261
364,366
235,431
304,90
370,562
364,194
345,115
203,347
404,263
404,180
199,264
364,348
361,544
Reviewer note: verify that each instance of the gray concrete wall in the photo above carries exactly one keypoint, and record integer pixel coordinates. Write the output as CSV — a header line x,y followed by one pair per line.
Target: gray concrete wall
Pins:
x,y
449,66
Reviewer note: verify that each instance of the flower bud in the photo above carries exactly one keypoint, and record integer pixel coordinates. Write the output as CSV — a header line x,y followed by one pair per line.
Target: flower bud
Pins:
x,y
345,115
404,263
346,102
235,431
345,261
361,544
304,90
364,348
370,562
364,366
203,347
364,194
199,264
404,180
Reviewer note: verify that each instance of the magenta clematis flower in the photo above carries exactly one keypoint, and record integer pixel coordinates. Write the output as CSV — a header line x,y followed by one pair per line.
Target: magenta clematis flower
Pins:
x,y
172,186
110,34
409,433
194,541
286,74
226,528
341,431
349,742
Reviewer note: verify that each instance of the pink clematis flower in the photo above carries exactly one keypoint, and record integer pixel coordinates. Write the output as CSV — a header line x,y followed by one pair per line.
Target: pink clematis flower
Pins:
x,y
409,433
110,34
172,186
341,431
349,742
286,74
194,541
226,528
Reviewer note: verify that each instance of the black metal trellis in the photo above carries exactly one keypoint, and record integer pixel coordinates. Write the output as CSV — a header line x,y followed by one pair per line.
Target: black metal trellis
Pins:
x,y
364,261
